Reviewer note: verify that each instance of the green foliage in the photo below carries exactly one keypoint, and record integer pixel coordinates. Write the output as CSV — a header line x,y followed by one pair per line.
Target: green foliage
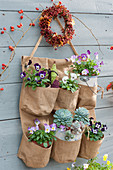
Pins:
x,y
94,165
70,85
81,115
41,137
63,117
94,131
89,64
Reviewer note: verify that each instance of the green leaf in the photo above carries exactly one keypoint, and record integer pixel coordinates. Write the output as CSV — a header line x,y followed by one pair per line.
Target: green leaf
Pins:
x,y
45,145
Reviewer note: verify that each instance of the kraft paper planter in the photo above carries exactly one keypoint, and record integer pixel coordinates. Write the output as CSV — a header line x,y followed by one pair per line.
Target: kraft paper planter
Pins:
x,y
65,151
87,98
89,149
39,102
66,100
33,155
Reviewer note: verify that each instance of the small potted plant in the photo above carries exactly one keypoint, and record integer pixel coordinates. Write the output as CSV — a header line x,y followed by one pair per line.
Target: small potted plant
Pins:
x,y
36,93
65,149
92,139
87,68
93,164
80,120
36,145
68,93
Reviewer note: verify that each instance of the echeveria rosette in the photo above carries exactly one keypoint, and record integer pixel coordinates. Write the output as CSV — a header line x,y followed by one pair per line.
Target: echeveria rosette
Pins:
x,y
63,117
86,66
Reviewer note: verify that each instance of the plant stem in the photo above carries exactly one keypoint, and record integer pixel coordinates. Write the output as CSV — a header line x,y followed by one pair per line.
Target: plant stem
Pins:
x,y
13,52
90,31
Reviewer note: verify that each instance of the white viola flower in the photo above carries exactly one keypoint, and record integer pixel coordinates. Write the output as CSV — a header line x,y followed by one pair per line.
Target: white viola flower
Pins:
x,y
73,76
66,72
85,72
64,79
85,166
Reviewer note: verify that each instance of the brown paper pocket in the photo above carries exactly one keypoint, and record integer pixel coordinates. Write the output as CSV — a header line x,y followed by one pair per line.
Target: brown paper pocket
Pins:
x,y
89,149
66,100
65,151
33,155
39,102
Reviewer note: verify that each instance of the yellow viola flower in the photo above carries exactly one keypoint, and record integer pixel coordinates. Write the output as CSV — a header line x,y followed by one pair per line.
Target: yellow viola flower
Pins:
x,y
108,162
105,157
68,169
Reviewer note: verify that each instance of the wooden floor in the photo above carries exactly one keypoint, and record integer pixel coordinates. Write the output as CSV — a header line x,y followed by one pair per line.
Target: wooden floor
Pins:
x,y
98,16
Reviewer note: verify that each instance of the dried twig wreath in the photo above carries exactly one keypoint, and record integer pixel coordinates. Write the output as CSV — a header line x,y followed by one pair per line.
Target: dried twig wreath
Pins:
x,y
45,20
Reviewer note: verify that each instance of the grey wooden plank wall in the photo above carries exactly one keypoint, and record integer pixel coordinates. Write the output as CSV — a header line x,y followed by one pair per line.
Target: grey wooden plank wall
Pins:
x,y
98,16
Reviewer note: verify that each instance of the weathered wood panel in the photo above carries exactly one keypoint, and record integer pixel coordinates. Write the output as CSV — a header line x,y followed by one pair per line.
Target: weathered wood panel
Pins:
x,y
9,99
11,136
87,6
101,25
15,66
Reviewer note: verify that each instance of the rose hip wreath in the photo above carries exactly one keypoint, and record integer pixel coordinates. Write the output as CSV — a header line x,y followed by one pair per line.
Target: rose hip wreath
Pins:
x,y
45,20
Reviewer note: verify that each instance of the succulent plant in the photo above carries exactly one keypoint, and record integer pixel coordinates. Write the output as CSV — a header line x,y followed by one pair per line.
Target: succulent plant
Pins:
x,y
63,117
77,127
68,135
81,115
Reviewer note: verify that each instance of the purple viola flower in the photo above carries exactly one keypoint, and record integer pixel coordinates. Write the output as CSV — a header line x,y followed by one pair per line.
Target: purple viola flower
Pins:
x,y
29,79
42,74
78,61
98,71
67,59
37,127
85,72
102,63
95,67
91,118
88,52
90,123
30,62
95,131
37,122
96,55
22,75
53,127
104,128
37,66
98,125
37,74
73,57
98,63
31,130
62,128
47,128
84,57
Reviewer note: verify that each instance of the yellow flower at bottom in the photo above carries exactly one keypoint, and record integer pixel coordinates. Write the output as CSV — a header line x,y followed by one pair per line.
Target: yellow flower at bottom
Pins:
x,y
105,157
108,162
68,169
